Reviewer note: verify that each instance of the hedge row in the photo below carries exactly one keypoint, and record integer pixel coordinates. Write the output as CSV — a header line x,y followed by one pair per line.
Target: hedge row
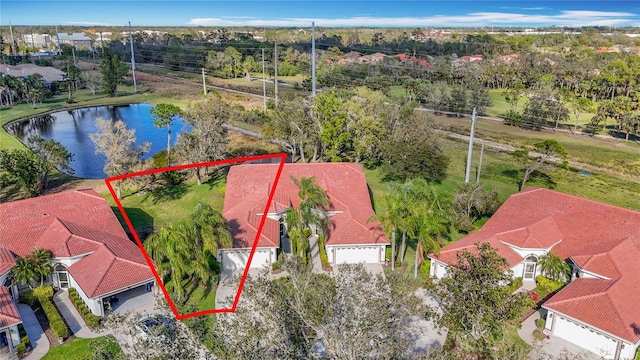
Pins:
x,y
56,323
92,321
323,252
22,347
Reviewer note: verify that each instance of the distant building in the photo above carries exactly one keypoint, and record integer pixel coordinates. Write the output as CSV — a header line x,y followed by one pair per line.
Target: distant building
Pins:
x,y
49,74
37,40
78,40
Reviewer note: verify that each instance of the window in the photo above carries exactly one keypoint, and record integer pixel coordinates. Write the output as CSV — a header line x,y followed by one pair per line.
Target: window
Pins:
x,y
62,276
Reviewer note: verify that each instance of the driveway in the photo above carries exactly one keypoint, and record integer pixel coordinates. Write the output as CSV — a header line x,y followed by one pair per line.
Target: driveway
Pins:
x,y
227,288
39,341
429,336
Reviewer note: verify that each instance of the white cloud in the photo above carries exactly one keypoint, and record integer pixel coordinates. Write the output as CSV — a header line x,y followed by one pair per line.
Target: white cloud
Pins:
x,y
565,18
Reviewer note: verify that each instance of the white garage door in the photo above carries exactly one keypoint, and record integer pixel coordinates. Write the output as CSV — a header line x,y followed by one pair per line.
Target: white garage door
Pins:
x,y
584,337
355,255
237,260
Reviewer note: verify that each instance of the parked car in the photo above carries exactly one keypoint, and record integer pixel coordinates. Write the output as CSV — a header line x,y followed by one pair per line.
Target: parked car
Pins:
x,y
154,327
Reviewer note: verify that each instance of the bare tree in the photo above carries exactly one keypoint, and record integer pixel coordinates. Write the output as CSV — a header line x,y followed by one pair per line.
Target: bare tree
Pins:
x,y
119,146
92,80
352,315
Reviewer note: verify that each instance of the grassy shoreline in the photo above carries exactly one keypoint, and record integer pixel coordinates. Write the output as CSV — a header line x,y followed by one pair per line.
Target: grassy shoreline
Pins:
x,y
83,98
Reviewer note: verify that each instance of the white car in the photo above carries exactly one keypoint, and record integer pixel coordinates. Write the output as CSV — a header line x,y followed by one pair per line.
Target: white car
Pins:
x,y
154,327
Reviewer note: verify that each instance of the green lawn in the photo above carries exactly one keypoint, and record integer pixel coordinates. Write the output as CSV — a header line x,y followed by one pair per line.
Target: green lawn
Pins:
x,y
83,98
164,206
619,157
79,349
500,107
202,296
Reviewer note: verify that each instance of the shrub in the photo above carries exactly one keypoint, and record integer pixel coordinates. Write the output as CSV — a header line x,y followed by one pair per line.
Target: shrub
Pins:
x,y
28,298
547,285
387,254
425,268
275,266
538,335
90,319
540,323
323,252
515,284
21,349
58,326
533,295
25,340
43,292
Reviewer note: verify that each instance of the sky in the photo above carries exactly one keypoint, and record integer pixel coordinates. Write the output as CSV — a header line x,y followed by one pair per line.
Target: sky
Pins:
x,y
370,13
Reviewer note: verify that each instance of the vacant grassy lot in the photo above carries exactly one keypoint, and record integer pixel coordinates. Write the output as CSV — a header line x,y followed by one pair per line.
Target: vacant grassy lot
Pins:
x,y
620,157
163,206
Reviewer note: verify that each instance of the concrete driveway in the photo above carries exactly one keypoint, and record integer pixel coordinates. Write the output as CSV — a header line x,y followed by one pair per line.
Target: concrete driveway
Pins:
x,y
429,336
39,341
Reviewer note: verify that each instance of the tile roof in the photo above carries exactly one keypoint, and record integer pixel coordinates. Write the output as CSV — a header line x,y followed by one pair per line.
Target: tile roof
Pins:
x,y
8,313
599,238
7,260
76,223
248,190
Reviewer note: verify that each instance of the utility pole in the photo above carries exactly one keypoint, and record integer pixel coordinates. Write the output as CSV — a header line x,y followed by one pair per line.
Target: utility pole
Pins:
x,y
58,37
133,60
264,84
101,44
480,164
13,42
93,54
470,153
275,73
313,58
204,85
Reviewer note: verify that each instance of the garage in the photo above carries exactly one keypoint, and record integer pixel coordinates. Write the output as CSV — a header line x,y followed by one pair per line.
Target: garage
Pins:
x,y
237,259
584,336
360,254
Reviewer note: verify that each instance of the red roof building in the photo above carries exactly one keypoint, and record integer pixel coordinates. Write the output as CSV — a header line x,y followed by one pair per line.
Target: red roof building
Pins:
x,y
600,308
351,237
89,246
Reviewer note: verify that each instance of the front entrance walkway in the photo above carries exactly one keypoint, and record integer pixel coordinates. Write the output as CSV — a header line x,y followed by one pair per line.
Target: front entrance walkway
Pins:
x,y
72,316
39,341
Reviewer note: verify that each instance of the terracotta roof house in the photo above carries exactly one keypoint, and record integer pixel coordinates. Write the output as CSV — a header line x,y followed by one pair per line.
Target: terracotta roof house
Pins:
x,y
91,252
351,239
9,321
599,310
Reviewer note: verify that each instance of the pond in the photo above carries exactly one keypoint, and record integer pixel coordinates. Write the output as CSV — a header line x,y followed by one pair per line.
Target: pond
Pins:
x,y
72,128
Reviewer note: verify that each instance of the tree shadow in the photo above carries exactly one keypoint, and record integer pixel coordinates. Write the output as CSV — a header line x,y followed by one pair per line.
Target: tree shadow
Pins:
x,y
537,176
168,192
373,201
142,222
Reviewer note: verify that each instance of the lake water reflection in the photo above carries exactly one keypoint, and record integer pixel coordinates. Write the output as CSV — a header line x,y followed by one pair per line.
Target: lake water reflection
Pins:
x,y
72,129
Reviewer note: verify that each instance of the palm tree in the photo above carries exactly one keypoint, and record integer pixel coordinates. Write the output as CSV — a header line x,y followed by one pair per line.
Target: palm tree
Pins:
x,y
179,250
163,115
429,220
24,272
554,267
403,198
41,260
389,221
310,212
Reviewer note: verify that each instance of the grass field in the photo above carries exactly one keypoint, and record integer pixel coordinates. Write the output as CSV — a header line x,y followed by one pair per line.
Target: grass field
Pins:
x,y
166,205
79,349
619,157
83,98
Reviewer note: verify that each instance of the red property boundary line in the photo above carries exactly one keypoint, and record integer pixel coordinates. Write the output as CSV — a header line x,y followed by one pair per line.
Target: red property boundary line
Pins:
x,y
281,156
